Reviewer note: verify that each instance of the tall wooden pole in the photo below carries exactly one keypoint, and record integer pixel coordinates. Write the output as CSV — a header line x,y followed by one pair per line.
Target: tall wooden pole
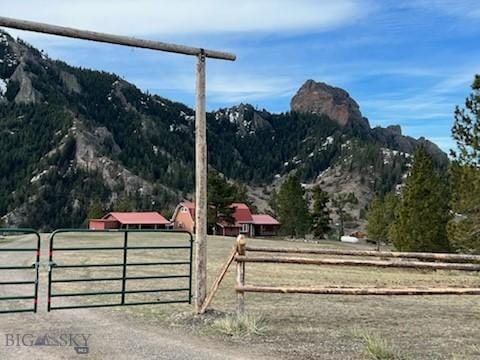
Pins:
x,y
200,186
200,120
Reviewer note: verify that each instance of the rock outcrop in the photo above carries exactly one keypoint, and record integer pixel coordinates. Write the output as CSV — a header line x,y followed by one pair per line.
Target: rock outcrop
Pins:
x,y
320,98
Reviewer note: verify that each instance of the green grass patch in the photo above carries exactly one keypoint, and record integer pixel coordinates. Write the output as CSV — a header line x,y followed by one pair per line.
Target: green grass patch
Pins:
x,y
245,325
377,348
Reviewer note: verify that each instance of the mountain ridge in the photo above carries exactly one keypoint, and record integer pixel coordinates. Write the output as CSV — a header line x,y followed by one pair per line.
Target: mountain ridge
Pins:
x,y
102,137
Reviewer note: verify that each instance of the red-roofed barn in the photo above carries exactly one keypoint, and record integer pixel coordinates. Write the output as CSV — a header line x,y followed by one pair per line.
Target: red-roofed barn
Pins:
x,y
184,216
129,220
244,222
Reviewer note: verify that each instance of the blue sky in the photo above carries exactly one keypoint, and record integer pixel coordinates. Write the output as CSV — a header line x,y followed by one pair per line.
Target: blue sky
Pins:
x,y
405,62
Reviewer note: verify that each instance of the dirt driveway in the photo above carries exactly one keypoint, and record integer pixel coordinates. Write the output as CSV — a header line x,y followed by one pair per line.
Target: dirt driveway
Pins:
x,y
107,333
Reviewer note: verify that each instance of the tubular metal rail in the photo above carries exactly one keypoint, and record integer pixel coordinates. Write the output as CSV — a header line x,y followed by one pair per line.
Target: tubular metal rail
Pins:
x,y
33,294
124,265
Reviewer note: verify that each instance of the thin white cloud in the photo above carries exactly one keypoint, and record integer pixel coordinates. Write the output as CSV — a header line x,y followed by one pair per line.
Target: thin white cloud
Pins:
x,y
160,17
458,8
228,88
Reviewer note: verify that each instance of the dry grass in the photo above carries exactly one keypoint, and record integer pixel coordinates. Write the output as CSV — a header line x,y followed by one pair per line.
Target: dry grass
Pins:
x,y
377,348
245,325
300,326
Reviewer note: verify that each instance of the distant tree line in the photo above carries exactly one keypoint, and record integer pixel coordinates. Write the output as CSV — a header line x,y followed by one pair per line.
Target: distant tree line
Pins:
x,y
437,210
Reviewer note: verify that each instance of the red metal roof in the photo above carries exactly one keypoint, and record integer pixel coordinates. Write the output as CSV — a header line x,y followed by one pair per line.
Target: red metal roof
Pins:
x,y
133,218
242,213
264,219
190,206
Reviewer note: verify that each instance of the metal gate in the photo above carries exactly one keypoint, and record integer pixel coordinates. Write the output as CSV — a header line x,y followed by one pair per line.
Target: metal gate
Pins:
x,y
17,285
106,269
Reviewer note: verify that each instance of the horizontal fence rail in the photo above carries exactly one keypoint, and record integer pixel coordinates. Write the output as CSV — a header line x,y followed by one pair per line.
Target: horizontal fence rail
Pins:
x,y
355,258
354,262
122,253
31,270
358,291
370,253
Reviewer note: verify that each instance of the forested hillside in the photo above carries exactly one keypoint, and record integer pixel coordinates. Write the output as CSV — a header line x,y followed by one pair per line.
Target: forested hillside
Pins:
x,y
71,135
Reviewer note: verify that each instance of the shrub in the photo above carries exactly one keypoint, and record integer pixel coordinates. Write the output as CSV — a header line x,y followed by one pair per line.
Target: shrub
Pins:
x,y
240,325
377,348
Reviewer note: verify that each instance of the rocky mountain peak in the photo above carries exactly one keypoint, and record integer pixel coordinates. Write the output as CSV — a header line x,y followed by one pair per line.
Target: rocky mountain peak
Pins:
x,y
246,117
320,98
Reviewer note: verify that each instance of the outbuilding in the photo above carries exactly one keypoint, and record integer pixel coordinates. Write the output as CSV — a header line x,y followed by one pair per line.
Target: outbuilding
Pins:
x,y
129,220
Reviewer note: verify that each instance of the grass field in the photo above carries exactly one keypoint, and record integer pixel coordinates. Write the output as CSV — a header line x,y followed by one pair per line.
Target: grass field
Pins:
x,y
295,326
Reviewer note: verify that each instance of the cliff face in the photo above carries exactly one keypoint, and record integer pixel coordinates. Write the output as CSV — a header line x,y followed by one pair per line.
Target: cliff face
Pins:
x,y
323,99
320,98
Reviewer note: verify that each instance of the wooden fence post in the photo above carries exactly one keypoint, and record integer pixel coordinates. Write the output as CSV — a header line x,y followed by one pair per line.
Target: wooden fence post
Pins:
x,y
200,186
241,245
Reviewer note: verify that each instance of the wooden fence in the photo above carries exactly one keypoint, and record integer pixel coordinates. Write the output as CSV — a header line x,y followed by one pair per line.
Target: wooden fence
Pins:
x,y
333,257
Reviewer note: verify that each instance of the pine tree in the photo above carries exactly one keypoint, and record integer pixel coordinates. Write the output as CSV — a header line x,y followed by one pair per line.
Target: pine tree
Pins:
x,y
123,204
466,128
293,208
320,212
381,216
95,209
341,203
273,202
377,228
464,228
423,212
221,195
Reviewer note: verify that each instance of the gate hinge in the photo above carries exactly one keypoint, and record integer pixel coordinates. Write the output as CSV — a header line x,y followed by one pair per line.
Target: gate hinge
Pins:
x,y
50,265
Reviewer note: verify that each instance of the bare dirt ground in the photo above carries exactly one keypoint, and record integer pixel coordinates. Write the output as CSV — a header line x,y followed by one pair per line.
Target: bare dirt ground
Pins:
x,y
112,333
298,326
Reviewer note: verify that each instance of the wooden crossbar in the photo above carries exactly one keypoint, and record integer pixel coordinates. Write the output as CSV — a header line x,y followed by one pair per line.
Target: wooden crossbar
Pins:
x,y
111,39
369,253
354,262
357,291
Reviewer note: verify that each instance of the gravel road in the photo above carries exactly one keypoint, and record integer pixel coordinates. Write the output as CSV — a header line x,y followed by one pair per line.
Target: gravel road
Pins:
x,y
108,334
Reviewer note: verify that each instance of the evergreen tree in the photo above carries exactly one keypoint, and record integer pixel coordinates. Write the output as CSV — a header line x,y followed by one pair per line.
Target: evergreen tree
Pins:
x,y
381,216
377,227
341,203
390,208
123,204
320,212
466,128
464,228
273,202
423,212
293,208
221,195
95,209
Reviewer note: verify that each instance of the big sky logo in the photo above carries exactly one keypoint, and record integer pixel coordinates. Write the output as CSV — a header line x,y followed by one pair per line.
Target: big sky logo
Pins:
x,y
79,342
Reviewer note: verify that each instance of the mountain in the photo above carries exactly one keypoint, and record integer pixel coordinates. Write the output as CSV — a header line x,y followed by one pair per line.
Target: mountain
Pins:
x,y
320,98
70,135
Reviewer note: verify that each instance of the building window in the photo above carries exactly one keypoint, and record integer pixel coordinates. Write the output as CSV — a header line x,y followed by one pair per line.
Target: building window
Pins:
x,y
245,228
183,209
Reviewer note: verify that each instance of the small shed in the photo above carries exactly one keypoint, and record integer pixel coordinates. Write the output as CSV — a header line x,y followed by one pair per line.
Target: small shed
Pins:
x,y
265,225
129,220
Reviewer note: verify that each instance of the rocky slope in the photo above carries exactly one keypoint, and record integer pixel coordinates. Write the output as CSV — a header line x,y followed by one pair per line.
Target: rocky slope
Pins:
x,y
71,135
320,98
